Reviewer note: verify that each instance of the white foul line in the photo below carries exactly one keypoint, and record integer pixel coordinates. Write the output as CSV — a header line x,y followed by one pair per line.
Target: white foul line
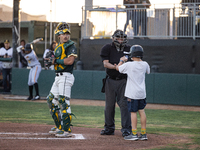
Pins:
x,y
14,133
76,136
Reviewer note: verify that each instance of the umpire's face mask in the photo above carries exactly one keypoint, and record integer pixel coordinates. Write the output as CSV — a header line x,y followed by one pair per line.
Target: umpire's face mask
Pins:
x,y
119,43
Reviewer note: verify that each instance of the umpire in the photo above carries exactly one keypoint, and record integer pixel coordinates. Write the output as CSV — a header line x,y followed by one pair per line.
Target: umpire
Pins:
x,y
115,84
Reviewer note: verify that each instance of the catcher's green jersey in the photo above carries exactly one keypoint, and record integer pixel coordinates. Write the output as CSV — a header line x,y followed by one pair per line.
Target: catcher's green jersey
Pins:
x,y
62,51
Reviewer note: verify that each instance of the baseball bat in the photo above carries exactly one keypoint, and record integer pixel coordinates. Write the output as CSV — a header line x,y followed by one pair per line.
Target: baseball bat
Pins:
x,y
36,40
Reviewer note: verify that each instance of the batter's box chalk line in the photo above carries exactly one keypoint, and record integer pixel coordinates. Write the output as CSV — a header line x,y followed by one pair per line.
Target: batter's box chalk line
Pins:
x,y
74,136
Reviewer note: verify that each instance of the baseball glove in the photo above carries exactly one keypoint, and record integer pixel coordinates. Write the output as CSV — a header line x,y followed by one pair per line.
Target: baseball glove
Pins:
x,y
50,56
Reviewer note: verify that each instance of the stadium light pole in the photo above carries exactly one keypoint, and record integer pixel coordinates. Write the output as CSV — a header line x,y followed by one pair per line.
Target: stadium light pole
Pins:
x,y
15,32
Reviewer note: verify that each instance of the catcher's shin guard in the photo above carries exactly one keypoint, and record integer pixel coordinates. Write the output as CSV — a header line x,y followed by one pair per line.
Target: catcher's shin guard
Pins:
x,y
54,111
50,97
66,113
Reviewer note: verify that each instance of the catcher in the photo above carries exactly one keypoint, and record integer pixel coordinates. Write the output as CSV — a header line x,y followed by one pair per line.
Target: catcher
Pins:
x,y
65,55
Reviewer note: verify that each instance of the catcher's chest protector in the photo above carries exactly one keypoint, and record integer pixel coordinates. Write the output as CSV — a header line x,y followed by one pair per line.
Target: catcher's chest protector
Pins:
x,y
60,53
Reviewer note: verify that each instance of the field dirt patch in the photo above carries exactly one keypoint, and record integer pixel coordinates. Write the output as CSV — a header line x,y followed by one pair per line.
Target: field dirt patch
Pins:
x,y
18,136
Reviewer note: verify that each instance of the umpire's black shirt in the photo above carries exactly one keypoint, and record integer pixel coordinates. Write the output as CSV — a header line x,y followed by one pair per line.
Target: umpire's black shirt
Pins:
x,y
109,52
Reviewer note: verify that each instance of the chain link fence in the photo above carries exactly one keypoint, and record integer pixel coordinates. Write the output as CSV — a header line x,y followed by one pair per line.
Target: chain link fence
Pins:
x,y
169,21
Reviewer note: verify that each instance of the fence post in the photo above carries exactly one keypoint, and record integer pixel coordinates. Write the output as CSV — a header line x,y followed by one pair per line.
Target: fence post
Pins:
x,y
173,25
194,21
116,16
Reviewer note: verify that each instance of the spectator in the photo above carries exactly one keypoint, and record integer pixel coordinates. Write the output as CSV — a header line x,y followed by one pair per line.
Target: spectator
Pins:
x,y
138,15
1,76
129,13
6,53
1,45
49,50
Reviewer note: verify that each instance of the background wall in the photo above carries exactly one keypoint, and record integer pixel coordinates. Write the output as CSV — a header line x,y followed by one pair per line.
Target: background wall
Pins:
x,y
162,88
170,56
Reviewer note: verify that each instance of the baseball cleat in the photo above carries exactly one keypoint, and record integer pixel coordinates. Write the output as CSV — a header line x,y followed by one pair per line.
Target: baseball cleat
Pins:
x,y
62,133
53,130
125,133
29,98
36,97
143,137
107,132
131,137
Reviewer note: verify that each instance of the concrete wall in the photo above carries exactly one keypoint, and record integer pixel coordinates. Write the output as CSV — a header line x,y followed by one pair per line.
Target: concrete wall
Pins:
x,y
162,88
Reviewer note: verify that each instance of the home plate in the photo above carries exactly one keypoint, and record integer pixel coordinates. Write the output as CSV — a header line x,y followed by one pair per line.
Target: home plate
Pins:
x,y
27,136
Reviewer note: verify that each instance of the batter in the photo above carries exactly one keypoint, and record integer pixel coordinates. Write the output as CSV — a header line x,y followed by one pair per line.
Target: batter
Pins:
x,y
34,72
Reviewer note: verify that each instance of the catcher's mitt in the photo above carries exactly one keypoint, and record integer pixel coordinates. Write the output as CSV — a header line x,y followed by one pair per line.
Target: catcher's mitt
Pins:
x,y
50,56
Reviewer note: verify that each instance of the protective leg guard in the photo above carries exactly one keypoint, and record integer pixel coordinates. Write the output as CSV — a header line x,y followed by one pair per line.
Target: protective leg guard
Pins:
x,y
54,111
50,97
66,116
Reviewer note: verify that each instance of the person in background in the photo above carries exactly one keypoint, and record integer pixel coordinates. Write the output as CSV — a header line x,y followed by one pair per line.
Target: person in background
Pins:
x,y
136,11
50,50
6,53
1,45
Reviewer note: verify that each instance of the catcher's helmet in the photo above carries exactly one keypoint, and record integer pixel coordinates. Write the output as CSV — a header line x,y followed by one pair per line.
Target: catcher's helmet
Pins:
x,y
28,47
136,51
119,34
62,28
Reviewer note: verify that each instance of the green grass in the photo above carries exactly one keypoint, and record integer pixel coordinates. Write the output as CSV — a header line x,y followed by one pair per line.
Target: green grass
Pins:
x,y
165,122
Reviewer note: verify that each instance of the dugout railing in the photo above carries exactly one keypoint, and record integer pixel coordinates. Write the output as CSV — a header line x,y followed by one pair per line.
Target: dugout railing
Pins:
x,y
159,21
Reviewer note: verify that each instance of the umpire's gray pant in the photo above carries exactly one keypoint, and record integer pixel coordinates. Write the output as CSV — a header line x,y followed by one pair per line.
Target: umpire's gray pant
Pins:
x,y
114,91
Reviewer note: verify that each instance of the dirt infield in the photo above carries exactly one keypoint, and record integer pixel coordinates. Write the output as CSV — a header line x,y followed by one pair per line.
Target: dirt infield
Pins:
x,y
15,136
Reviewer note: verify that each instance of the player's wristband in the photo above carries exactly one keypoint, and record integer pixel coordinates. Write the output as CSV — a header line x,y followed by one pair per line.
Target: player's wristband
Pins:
x,y
59,61
122,61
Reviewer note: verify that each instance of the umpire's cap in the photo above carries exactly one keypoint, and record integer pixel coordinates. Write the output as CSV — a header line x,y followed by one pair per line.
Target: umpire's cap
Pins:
x,y
28,47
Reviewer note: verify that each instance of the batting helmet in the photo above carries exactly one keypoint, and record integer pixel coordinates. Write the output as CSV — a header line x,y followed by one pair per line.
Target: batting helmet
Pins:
x,y
62,28
136,51
119,34
28,47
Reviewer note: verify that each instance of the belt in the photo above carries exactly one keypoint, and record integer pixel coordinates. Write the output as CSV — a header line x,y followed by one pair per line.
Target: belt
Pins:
x,y
62,73
34,66
117,78
59,74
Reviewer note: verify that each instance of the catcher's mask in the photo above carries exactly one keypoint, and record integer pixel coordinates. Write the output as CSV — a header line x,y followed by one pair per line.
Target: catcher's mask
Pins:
x,y
136,51
28,47
62,28
119,35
